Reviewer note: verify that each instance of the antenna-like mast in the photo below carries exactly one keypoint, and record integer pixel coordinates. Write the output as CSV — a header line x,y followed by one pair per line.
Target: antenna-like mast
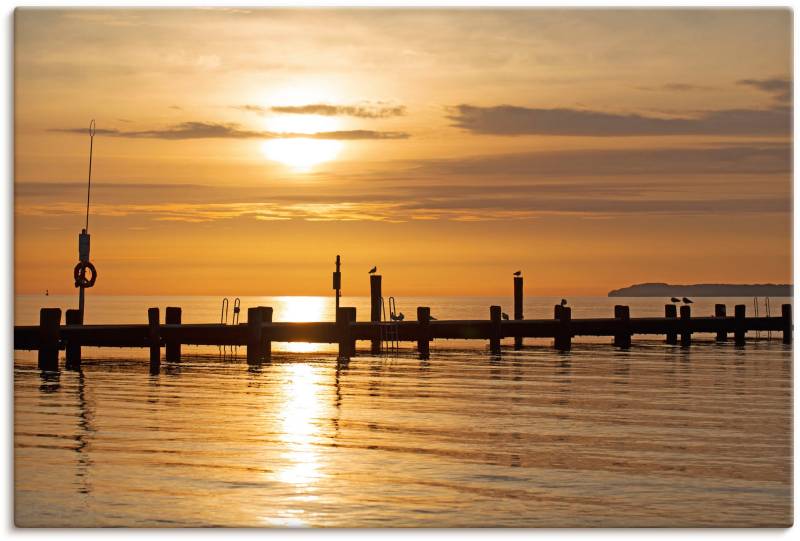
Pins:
x,y
89,187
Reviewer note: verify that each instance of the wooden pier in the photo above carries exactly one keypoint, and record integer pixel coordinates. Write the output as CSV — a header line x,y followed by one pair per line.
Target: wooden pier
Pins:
x,y
258,333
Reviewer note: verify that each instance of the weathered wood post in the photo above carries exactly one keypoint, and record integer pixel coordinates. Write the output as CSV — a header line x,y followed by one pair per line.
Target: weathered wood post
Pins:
x,y
154,339
173,345
375,296
424,332
671,313
254,333
49,331
495,316
265,344
518,308
739,313
720,312
786,315
563,338
622,338
72,317
686,333
343,330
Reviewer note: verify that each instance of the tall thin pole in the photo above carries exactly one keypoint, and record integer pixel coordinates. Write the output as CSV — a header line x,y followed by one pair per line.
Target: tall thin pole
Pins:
x,y
89,187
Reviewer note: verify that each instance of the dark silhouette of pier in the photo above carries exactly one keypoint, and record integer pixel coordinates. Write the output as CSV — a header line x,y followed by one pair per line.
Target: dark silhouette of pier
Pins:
x,y
259,331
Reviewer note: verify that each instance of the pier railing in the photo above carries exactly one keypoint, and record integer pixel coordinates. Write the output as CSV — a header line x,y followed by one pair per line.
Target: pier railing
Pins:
x,y
258,333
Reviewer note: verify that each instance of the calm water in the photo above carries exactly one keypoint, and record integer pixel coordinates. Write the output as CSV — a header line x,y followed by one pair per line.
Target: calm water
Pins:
x,y
656,436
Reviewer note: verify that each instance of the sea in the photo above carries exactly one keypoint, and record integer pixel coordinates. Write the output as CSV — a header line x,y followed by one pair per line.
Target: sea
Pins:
x,y
657,435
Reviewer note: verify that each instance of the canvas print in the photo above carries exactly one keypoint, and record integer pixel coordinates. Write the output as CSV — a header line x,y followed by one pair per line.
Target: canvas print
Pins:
x,y
384,267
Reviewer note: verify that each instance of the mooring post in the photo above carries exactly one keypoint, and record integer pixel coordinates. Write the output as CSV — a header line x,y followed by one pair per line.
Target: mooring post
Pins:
x,y
254,333
671,313
739,313
154,339
720,312
563,338
375,296
622,338
49,333
518,308
265,348
424,332
343,330
495,316
786,315
72,318
173,345
686,333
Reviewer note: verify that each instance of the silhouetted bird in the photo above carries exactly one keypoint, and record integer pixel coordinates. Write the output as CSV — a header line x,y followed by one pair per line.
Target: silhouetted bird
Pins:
x,y
563,302
675,299
432,318
518,273
401,316
687,301
373,270
504,315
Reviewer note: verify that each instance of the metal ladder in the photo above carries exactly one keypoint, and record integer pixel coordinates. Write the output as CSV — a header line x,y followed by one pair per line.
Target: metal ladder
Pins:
x,y
768,314
223,319
389,329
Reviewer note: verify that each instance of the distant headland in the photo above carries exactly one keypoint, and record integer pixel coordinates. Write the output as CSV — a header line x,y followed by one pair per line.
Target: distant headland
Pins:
x,y
703,290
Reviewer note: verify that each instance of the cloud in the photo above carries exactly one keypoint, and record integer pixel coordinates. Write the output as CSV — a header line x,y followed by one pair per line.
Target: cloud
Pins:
x,y
368,110
514,120
675,87
779,87
212,130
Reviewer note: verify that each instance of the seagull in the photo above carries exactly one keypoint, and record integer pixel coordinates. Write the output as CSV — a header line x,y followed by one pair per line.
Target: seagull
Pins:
x,y
687,301
563,302
432,318
504,315
675,299
400,316
518,273
373,270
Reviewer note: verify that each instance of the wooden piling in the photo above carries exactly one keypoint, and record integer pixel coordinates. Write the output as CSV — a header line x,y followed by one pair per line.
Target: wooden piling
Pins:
x,y
563,338
423,339
73,317
375,296
622,339
173,345
686,333
739,312
265,344
49,334
344,332
720,311
671,312
154,339
254,333
495,316
786,316
518,308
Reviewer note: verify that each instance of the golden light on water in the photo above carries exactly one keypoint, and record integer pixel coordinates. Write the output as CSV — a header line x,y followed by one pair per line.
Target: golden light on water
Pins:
x,y
301,410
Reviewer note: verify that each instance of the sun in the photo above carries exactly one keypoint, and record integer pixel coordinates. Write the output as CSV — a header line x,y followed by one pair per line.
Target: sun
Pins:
x,y
301,154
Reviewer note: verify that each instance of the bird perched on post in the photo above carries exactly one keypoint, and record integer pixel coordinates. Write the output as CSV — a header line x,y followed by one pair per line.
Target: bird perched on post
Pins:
x,y
518,273
563,302
504,316
373,270
675,299
687,301
401,316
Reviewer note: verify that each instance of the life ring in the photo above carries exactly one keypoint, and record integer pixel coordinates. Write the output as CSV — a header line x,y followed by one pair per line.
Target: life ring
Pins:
x,y
80,274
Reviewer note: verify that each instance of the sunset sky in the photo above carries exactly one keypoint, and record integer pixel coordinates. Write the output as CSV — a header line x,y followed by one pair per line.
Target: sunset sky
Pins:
x,y
238,151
